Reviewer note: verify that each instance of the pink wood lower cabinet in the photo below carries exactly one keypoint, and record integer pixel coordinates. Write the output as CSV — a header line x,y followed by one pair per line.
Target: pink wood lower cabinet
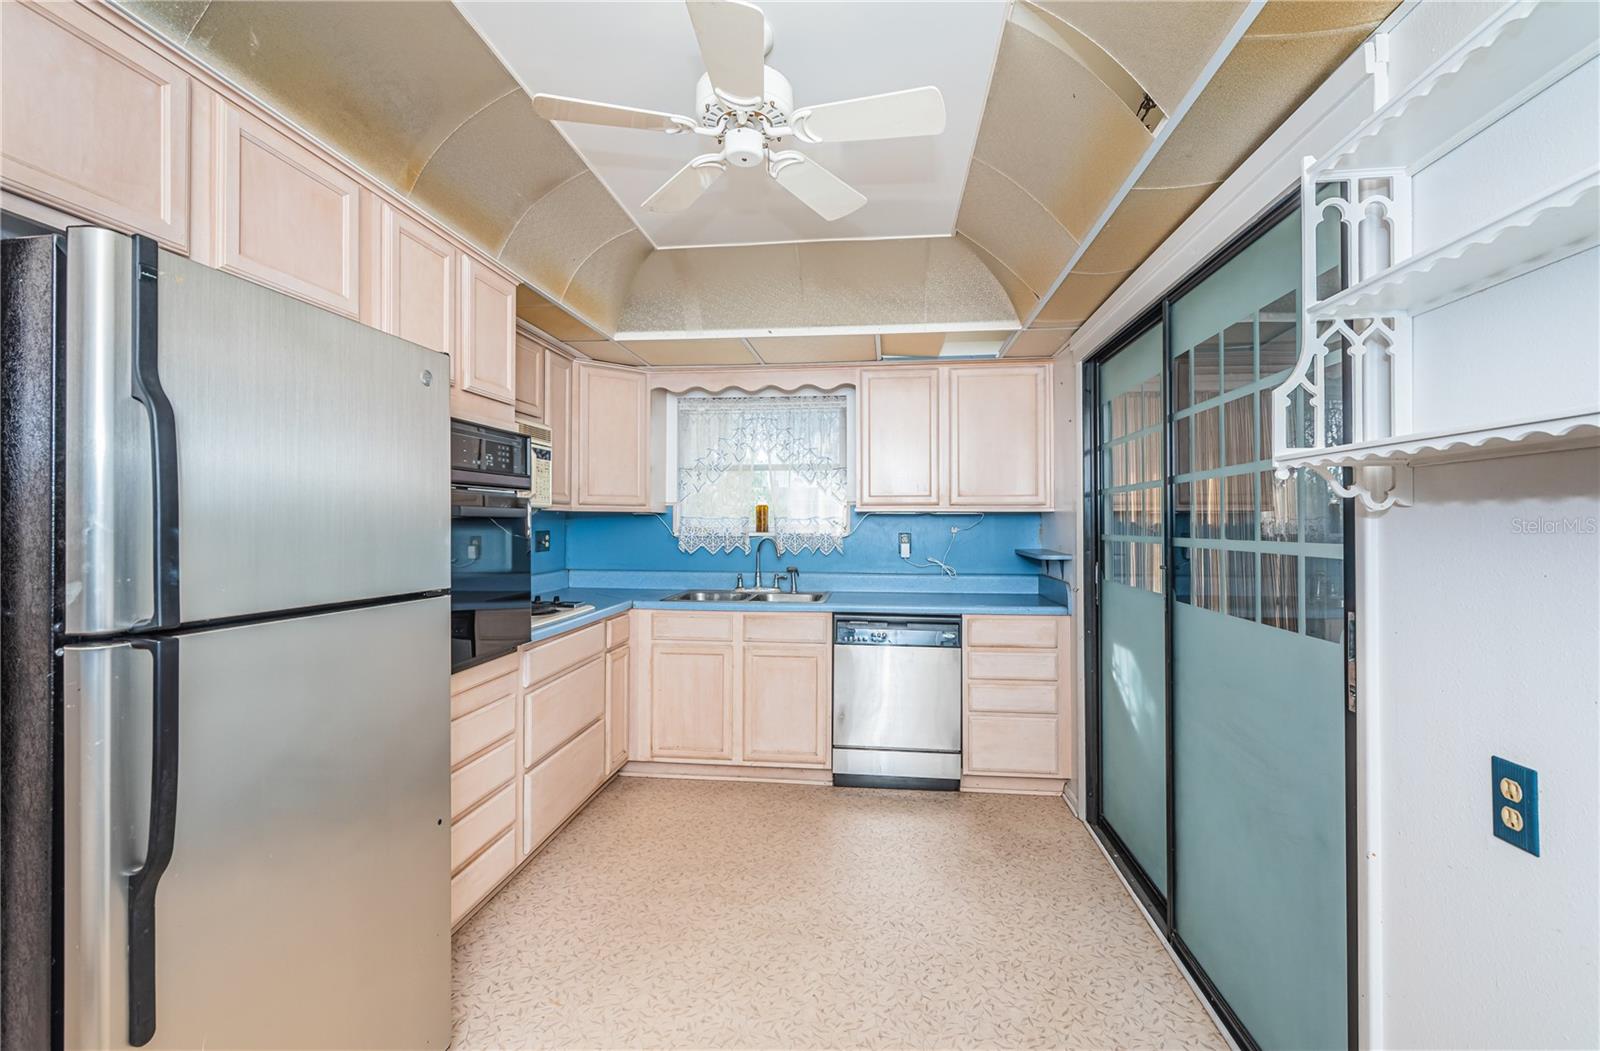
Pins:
x,y
693,695
473,883
619,681
1017,722
787,714
555,789
556,711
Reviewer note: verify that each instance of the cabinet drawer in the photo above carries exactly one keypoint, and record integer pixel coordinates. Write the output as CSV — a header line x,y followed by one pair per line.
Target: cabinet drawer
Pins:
x,y
463,681
788,627
1038,698
562,707
472,733
1025,745
481,777
479,827
694,627
550,658
469,885
1030,632
617,630
553,790
1039,665
471,700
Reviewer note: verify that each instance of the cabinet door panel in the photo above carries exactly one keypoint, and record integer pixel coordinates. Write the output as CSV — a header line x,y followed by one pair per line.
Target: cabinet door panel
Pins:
x,y
287,218
94,122
787,714
1000,427
692,701
488,332
612,437
619,675
530,377
417,289
558,415
900,462
473,831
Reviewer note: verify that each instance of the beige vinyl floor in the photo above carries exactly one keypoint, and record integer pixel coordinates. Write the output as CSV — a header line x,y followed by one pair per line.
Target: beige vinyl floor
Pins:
x,y
700,914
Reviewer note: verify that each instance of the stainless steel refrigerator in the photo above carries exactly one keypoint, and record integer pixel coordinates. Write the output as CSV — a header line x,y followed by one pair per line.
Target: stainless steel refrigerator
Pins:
x,y
225,662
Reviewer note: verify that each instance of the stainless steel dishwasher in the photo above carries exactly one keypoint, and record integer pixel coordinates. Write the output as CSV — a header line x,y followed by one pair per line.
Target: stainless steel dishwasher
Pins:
x,y
897,701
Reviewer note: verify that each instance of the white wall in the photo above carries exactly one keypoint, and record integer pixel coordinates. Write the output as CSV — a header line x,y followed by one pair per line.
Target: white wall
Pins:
x,y
1491,646
1481,633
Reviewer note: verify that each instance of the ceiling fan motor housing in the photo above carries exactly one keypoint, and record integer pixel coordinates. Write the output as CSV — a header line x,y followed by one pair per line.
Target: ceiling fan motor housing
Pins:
x,y
775,104
744,146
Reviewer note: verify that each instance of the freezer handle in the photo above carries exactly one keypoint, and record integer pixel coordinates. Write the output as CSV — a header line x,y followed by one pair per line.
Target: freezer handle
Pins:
x,y
163,431
142,881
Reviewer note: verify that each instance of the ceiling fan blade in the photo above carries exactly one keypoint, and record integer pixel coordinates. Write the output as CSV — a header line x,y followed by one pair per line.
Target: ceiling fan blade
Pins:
x,y
732,45
818,188
896,115
583,111
687,184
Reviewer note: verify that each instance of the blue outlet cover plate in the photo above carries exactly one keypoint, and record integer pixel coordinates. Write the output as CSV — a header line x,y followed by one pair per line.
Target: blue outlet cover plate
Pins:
x,y
1515,791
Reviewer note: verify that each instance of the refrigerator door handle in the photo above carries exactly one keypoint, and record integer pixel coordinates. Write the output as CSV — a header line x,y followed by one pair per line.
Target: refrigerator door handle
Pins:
x,y
148,391
143,881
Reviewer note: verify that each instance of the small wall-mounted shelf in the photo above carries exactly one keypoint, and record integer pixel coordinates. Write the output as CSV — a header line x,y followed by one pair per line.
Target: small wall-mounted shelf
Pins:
x,y
1518,53
1578,430
1553,227
1044,554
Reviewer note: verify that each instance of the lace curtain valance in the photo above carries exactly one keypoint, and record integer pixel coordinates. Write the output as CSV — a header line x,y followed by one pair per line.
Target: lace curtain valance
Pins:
x,y
788,451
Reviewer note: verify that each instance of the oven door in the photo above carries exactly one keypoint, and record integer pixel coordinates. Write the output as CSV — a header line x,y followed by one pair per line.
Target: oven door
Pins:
x,y
473,501
479,635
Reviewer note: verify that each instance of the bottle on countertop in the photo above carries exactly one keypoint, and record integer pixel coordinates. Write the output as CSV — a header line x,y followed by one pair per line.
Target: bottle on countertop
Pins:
x,y
761,518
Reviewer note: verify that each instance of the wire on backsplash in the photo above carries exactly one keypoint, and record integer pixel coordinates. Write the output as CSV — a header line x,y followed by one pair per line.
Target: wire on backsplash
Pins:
x,y
943,561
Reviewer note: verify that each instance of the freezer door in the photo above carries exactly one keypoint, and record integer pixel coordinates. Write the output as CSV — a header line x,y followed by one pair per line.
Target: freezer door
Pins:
x,y
307,898
253,453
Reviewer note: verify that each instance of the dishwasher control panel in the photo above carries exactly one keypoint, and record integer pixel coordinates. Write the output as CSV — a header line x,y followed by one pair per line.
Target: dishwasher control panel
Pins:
x,y
940,632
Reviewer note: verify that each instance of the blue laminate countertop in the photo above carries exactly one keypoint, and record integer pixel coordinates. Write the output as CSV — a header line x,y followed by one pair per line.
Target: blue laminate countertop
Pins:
x,y
608,602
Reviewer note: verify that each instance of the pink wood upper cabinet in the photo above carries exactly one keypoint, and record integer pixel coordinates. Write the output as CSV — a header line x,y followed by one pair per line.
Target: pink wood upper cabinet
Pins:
x,y
558,416
900,464
612,437
286,217
530,377
488,332
93,122
1000,437
417,288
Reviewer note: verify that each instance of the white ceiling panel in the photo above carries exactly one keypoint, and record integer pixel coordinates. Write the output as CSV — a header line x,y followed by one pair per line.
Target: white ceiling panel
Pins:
x,y
644,54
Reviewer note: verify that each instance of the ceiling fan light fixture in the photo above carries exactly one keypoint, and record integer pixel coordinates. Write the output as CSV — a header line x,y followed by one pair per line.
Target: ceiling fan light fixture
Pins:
x,y
734,38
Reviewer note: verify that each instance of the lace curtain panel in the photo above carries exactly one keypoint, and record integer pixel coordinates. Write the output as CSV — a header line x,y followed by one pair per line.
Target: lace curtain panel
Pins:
x,y
788,452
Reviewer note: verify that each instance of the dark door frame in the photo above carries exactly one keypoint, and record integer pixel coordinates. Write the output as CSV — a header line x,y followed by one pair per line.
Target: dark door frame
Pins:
x,y
1161,907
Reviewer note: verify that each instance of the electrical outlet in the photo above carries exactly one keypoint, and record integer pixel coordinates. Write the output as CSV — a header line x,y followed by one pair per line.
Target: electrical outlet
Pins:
x,y
474,549
1514,793
541,540
905,545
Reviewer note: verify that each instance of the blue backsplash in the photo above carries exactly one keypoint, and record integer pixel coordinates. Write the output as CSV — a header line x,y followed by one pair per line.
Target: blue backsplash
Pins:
x,y
618,549
631,550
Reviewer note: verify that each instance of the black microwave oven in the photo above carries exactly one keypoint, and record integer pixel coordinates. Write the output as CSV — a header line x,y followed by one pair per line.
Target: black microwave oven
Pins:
x,y
484,456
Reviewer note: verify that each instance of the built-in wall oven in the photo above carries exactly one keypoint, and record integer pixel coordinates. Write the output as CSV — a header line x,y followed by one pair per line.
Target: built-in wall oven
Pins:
x,y
489,478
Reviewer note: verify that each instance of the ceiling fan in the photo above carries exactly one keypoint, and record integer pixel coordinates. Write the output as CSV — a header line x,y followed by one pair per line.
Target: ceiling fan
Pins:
x,y
748,108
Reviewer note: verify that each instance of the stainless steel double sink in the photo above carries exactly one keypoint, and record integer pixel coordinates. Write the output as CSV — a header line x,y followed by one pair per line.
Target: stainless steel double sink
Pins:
x,y
747,596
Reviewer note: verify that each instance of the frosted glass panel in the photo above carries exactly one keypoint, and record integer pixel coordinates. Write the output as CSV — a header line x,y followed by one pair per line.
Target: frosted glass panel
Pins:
x,y
1257,695
1133,714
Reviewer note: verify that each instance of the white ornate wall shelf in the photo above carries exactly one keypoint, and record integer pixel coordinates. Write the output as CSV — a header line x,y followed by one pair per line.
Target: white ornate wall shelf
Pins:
x,y
1365,185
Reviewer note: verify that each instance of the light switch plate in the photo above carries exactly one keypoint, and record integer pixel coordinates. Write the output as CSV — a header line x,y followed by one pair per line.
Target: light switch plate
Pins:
x,y
1515,792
